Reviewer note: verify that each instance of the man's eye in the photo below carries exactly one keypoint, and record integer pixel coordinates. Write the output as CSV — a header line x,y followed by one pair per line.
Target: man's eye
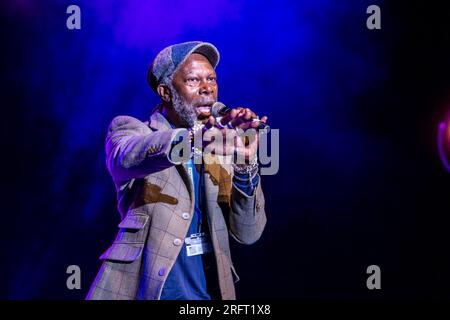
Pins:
x,y
192,79
212,79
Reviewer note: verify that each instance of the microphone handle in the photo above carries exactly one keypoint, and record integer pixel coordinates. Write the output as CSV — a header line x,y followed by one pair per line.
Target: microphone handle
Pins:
x,y
224,111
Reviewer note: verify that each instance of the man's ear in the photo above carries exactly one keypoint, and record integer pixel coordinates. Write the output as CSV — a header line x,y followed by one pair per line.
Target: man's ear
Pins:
x,y
163,92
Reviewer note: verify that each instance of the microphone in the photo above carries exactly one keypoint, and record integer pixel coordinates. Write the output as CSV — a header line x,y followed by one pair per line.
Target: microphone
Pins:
x,y
219,110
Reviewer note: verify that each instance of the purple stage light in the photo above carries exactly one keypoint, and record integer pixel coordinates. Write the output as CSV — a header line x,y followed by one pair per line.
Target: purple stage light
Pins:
x,y
442,141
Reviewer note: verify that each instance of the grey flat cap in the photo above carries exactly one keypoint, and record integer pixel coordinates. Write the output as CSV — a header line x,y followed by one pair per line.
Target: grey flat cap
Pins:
x,y
168,60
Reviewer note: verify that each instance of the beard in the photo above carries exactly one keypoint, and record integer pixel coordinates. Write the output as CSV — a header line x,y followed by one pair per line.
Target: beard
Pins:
x,y
187,115
185,111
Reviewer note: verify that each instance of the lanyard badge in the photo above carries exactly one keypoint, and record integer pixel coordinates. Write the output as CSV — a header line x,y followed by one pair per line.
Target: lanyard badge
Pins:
x,y
197,243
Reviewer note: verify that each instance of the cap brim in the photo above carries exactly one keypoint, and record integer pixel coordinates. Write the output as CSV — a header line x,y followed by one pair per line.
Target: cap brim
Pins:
x,y
209,51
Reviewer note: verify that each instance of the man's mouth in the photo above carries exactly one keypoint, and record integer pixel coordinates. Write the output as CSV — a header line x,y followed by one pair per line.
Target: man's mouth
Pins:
x,y
204,108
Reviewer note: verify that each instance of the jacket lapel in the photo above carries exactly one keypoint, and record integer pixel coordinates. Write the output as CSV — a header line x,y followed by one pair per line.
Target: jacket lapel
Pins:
x,y
183,172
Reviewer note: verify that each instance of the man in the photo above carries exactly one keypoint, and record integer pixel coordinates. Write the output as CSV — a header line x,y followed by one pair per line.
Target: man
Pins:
x,y
173,241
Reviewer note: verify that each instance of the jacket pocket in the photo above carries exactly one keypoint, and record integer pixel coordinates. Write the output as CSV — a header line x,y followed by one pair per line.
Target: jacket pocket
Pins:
x,y
124,252
134,221
129,241
133,228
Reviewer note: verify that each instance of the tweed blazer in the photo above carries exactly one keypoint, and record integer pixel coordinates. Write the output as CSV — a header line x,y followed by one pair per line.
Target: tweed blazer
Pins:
x,y
156,202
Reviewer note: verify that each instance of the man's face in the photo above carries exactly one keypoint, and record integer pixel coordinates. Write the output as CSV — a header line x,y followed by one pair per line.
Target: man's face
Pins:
x,y
196,86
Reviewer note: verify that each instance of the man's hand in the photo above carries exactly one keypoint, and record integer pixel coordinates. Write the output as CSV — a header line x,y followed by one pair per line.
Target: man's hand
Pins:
x,y
242,118
241,142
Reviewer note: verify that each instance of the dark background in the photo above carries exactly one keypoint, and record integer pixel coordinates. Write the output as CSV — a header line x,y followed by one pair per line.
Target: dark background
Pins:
x,y
360,179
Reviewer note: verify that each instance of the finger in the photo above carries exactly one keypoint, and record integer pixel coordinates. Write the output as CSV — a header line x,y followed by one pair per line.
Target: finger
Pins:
x,y
249,115
210,123
240,118
230,116
255,124
247,119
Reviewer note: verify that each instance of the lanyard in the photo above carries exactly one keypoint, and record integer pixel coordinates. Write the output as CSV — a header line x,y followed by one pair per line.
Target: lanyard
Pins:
x,y
197,179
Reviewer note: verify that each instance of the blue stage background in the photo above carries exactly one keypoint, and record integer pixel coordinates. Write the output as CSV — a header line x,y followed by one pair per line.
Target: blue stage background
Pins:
x,y
360,180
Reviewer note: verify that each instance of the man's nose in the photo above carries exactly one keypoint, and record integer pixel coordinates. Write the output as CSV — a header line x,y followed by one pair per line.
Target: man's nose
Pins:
x,y
205,88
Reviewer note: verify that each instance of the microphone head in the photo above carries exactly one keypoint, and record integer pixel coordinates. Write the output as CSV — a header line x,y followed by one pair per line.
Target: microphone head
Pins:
x,y
219,109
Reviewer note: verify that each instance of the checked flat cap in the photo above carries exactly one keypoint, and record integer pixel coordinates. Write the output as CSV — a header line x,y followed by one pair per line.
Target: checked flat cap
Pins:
x,y
168,59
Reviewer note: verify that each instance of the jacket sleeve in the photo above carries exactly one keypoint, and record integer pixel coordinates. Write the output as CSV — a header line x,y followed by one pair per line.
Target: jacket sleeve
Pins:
x,y
247,214
133,150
